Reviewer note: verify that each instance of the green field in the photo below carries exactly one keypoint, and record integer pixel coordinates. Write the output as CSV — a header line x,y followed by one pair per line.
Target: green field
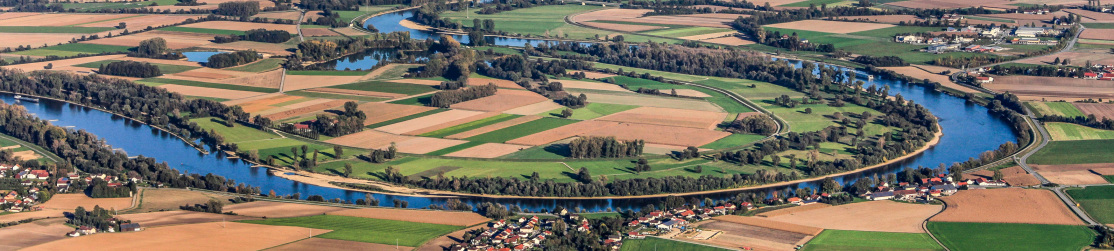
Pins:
x,y
545,20
729,105
4,142
164,68
263,65
53,29
66,50
1055,108
239,133
878,42
1099,25
470,125
328,73
1098,201
685,31
405,118
733,140
388,87
203,30
1010,237
1075,152
591,111
521,130
832,239
280,150
654,244
410,234
210,85
1067,131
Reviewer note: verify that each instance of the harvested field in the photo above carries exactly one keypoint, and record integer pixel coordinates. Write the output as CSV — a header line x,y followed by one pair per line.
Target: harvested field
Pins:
x,y
493,127
71,201
35,39
775,2
421,216
1014,176
318,32
65,64
759,222
502,100
561,133
1096,16
877,216
203,236
173,8
732,41
358,93
1033,206
427,121
622,27
262,4
1098,109
1054,88
45,213
424,145
666,135
652,101
270,79
497,82
417,81
322,244
946,4
278,209
1078,57
1100,34
242,26
668,117
299,82
380,112
208,92
1023,16
349,31
487,150
174,40
170,199
288,15
144,21
574,84
54,20
725,16
535,108
664,149
445,241
33,233
592,74
281,49
919,72
890,19
607,14
10,15
793,210
305,110
709,35
268,102
368,139
830,26
170,218
734,234
1075,174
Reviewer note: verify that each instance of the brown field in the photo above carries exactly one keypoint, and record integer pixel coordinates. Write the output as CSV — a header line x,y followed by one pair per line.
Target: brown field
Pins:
x,y
61,19
653,101
322,244
176,8
179,217
668,117
349,31
420,216
1097,16
764,223
878,216
71,201
684,20
451,123
442,243
1098,109
35,40
666,135
946,4
174,40
919,72
575,84
622,27
1078,57
427,121
144,21
608,14
265,103
1014,176
1100,34
270,79
692,93
592,74
1078,174
170,199
891,19
775,2
370,139
732,41
318,32
288,15
203,236
379,112
493,127
502,100
488,150
563,132
10,15
262,4
358,93
416,81
45,213
735,235
243,26
793,210
1053,88
208,92
277,209
423,145
305,110
1023,16
33,233
709,35
535,108
26,155
299,82
497,82
726,16
664,149
281,49
1033,206
830,26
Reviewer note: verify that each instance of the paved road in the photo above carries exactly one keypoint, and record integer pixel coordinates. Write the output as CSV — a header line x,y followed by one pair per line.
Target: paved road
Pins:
x,y
1059,189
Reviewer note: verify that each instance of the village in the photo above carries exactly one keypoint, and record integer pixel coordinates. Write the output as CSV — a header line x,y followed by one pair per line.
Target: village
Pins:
x,y
28,188
953,39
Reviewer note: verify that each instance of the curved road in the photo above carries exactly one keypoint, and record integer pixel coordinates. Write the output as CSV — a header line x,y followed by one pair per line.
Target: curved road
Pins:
x,y
1059,189
1071,45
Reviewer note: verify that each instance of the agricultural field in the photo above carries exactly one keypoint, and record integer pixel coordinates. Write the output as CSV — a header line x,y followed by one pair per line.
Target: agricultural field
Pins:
x,y
1007,236
1075,152
454,218
203,236
1029,206
410,234
869,217
1055,108
1068,131
650,244
1099,110
544,21
1051,88
73,50
832,239
164,68
1098,201
234,133
872,42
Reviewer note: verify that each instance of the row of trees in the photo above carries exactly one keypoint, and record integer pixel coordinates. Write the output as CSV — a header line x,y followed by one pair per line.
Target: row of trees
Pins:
x,y
223,60
237,8
257,35
446,98
604,147
130,69
99,218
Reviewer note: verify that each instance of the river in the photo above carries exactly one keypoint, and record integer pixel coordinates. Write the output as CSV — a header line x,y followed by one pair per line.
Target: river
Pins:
x,y
968,131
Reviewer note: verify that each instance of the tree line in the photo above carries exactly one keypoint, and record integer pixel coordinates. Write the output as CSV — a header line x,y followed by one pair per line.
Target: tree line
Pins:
x,y
237,8
604,147
130,68
224,60
257,35
446,98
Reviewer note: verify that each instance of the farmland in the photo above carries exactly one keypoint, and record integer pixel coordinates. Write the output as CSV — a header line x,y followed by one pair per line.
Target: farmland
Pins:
x,y
1098,201
1075,152
1006,236
1032,206
164,68
410,234
861,240
543,21
73,50
1055,108
649,244
1067,131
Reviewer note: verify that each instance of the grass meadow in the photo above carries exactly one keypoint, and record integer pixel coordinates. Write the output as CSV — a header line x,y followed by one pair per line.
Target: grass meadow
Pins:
x,y
1075,152
410,234
548,20
1098,201
832,239
1055,108
238,133
1068,131
591,111
65,50
262,65
653,243
470,125
1011,236
210,85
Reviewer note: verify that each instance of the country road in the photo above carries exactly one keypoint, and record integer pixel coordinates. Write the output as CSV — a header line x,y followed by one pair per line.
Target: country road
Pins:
x,y
1059,189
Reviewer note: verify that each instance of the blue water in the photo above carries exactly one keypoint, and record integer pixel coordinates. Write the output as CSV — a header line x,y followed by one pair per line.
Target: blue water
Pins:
x,y
200,56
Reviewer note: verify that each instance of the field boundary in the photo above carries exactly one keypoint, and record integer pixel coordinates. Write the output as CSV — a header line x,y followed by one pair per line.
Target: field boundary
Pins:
x,y
924,225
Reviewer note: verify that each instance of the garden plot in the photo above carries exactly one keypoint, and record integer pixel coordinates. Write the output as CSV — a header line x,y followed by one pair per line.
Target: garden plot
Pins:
x,y
830,26
368,139
877,216
1032,206
668,117
487,150
502,100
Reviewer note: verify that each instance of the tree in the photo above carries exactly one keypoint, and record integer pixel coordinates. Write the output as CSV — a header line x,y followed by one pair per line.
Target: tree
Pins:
x,y
348,170
152,47
584,175
699,169
808,110
566,113
338,151
997,174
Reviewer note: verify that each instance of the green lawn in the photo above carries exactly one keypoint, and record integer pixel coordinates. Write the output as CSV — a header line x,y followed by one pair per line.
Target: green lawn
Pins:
x,y
654,244
728,104
164,68
1067,131
53,29
832,239
1099,25
591,111
470,125
328,73
521,130
210,85
1098,201
280,150
1010,237
388,87
203,30
410,234
405,118
1055,108
263,65
540,20
239,133
878,42
733,140
1075,152
73,50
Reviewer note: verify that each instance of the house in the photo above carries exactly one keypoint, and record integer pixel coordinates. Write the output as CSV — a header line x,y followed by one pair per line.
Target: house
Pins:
x,y
794,200
130,227
880,196
1090,75
86,230
636,235
1028,31
39,174
984,79
671,224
